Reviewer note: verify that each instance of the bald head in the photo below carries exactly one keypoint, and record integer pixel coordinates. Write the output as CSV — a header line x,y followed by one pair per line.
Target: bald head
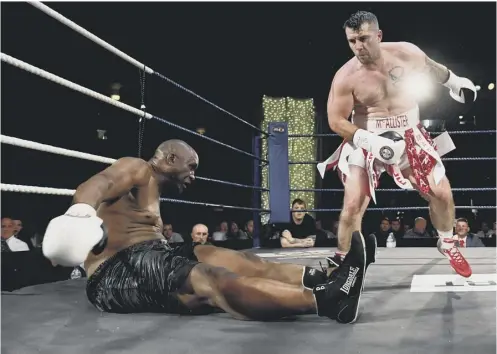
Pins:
x,y
174,146
200,232
176,162
7,228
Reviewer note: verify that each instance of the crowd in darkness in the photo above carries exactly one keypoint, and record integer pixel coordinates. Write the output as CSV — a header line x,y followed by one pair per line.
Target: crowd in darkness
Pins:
x,y
303,230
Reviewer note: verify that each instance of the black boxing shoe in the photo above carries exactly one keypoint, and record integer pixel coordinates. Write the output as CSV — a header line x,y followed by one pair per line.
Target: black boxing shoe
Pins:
x,y
371,246
312,277
339,298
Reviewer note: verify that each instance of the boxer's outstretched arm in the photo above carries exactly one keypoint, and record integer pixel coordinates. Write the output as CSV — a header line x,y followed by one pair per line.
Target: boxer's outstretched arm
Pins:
x,y
113,182
438,72
340,106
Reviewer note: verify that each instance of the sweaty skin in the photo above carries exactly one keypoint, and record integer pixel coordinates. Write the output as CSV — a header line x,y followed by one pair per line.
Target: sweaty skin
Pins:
x,y
127,195
377,90
373,84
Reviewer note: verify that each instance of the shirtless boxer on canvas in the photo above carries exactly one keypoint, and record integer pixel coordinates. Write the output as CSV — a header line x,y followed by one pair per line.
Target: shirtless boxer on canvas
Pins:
x,y
114,226
373,87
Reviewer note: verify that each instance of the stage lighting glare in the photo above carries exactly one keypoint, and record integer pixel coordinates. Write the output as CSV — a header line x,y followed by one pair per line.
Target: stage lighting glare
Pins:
x,y
419,86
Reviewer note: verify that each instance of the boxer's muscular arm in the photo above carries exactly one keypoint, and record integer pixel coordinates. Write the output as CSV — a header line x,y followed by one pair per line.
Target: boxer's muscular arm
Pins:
x,y
340,106
113,182
437,71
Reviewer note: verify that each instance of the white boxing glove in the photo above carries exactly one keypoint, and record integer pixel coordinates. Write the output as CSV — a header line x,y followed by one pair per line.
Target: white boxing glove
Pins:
x,y
383,149
70,237
461,89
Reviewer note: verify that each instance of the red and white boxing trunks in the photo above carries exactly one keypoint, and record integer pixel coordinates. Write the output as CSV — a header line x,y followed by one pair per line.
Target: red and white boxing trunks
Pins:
x,y
422,154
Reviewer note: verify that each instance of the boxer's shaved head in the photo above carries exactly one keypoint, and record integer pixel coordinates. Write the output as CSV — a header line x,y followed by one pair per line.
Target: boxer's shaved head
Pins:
x,y
364,36
174,146
356,21
176,161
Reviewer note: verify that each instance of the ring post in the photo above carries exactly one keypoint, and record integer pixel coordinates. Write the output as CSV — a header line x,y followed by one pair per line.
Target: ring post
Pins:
x,y
279,173
256,194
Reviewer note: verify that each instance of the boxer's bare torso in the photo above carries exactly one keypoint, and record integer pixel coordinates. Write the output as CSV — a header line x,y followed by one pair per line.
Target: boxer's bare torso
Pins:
x,y
129,219
379,91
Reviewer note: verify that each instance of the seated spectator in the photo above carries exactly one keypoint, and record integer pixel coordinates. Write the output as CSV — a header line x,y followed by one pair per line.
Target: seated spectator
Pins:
x,y
383,232
220,235
249,229
301,231
170,235
334,228
463,237
419,230
17,226
485,231
235,233
25,235
10,243
200,233
396,226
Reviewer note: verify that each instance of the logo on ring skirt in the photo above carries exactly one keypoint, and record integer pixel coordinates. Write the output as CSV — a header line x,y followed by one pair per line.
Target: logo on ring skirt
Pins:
x,y
386,152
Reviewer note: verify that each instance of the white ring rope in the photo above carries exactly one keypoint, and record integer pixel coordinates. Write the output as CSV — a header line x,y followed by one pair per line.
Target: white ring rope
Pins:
x,y
53,149
73,86
89,35
34,189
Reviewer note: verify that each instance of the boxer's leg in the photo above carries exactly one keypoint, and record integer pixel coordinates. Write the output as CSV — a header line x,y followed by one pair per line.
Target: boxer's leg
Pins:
x,y
442,214
441,203
355,201
248,264
244,297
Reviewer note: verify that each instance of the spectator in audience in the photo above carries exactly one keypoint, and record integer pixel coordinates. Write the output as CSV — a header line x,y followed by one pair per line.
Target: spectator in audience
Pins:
x,y
334,228
170,235
398,231
25,235
301,231
407,227
200,233
235,233
419,230
322,233
10,243
221,234
17,226
383,232
485,231
463,237
249,229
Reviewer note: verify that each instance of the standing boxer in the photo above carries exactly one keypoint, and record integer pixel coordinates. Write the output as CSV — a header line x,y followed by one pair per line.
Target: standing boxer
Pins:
x,y
385,134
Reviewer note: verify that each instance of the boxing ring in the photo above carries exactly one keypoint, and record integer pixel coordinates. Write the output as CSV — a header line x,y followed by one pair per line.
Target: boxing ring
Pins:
x,y
411,302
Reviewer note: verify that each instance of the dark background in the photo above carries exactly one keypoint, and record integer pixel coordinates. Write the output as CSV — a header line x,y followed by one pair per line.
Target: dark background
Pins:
x,y
232,54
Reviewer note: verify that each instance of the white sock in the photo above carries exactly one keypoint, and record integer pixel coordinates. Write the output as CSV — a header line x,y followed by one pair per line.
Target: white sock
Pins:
x,y
445,234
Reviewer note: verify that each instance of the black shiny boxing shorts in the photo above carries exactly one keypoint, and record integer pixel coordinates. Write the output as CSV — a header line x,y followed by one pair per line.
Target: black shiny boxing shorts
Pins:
x,y
142,278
